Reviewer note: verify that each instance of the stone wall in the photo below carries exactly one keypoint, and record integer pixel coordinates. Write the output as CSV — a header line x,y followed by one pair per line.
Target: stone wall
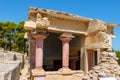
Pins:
x,y
67,75
10,65
107,67
63,24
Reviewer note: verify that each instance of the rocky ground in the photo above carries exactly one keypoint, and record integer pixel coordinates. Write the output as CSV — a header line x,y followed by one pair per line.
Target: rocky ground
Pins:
x,y
15,66
12,66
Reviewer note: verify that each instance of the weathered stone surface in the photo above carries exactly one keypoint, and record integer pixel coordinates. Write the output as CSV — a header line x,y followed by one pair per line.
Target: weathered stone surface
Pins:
x,y
107,67
10,65
9,71
97,24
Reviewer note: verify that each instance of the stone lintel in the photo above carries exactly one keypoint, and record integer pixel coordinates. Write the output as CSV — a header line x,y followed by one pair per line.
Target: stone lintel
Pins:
x,y
31,25
52,29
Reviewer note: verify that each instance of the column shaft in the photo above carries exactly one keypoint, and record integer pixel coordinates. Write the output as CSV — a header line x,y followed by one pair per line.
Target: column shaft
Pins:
x,y
65,38
33,52
65,52
39,50
86,61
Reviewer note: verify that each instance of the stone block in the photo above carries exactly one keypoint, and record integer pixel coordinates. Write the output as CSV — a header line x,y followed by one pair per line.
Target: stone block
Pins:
x,y
76,77
54,77
9,67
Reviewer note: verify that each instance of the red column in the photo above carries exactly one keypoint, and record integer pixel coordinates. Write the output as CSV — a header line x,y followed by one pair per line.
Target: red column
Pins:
x,y
39,50
65,52
33,52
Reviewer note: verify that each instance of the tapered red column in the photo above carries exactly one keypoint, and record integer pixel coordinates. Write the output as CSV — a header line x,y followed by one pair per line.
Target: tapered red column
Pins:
x,y
65,38
65,52
33,49
39,50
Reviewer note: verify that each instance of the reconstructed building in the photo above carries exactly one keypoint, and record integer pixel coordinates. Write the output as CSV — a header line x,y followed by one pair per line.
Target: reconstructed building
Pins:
x,y
65,46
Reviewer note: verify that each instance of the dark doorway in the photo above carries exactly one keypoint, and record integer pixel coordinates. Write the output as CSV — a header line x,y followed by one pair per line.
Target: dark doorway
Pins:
x,y
92,58
52,52
74,61
95,58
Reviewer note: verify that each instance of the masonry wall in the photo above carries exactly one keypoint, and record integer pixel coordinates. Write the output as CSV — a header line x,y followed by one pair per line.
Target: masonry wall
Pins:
x,y
107,67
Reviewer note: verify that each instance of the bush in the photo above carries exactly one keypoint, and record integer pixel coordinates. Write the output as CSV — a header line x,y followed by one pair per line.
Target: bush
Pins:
x,y
118,55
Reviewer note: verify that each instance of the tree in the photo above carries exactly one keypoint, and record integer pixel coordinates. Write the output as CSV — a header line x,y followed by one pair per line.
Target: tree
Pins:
x,y
19,36
117,54
12,36
7,30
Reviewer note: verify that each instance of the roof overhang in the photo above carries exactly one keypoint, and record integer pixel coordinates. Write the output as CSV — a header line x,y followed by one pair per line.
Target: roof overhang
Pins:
x,y
64,15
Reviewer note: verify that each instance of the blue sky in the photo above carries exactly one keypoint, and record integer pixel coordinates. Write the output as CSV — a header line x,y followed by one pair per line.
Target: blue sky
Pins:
x,y
105,10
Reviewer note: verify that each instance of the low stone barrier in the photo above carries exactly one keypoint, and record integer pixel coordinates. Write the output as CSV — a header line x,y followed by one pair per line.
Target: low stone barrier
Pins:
x,y
9,71
10,65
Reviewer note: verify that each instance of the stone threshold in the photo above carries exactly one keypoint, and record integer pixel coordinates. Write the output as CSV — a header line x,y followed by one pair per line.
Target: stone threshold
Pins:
x,y
62,72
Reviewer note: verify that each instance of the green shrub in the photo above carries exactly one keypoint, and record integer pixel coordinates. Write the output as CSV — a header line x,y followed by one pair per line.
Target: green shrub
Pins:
x,y
118,55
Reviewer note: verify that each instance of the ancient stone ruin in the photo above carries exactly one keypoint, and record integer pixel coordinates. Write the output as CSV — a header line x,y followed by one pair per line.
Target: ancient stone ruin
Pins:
x,y
107,67
68,47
